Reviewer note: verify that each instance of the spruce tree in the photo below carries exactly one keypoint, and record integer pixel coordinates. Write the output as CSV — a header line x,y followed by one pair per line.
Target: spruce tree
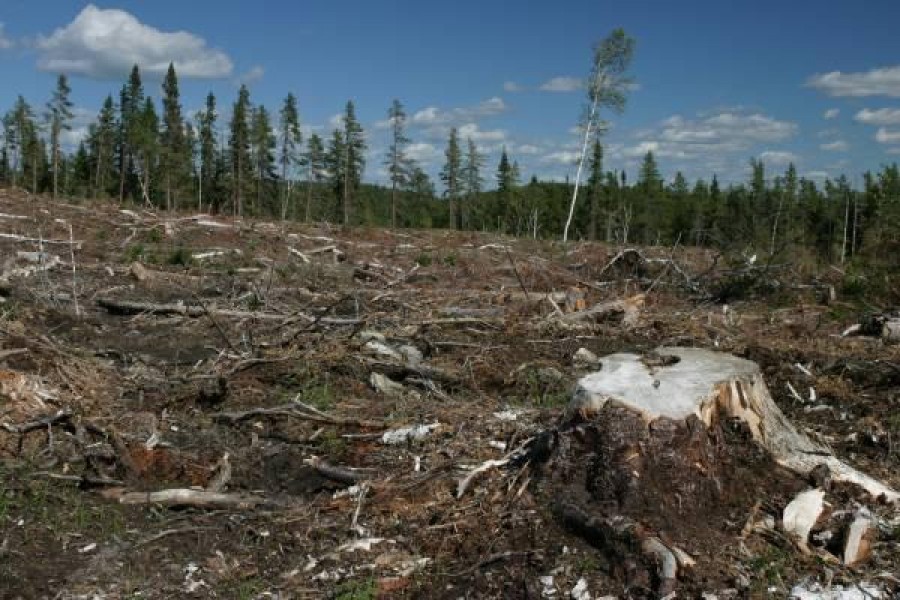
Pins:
x,y
336,164
290,138
239,147
397,164
451,175
315,164
262,144
206,121
131,104
59,114
175,153
354,159
102,143
595,187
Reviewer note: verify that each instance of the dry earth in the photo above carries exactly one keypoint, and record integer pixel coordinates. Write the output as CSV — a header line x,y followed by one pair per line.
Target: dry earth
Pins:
x,y
331,337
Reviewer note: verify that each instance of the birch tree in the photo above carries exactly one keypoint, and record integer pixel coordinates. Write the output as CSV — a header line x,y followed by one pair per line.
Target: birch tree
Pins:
x,y
607,88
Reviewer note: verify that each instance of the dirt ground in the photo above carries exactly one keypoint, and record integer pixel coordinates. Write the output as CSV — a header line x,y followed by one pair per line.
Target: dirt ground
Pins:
x,y
274,358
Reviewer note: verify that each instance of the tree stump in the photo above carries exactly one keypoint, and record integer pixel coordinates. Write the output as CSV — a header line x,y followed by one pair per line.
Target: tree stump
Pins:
x,y
663,456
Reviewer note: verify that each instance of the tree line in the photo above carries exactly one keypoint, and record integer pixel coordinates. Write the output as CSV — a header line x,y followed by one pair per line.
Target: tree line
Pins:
x,y
260,164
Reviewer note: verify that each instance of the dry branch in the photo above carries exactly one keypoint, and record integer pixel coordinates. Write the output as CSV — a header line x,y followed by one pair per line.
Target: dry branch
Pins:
x,y
195,498
130,307
291,410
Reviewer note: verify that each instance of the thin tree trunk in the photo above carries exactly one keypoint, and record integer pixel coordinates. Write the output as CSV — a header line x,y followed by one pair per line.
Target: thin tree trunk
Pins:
x,y
126,156
393,204
584,146
347,185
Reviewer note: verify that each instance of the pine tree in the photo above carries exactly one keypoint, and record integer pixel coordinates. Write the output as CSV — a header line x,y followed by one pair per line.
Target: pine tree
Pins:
x,y
176,156
239,147
59,114
290,138
262,144
396,161
315,164
206,121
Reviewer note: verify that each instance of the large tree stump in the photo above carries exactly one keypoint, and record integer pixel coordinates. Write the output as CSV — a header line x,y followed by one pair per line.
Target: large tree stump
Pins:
x,y
676,383
662,457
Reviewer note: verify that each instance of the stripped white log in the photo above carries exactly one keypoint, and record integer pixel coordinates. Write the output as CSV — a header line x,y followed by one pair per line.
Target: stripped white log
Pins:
x,y
859,539
198,498
708,384
801,514
14,237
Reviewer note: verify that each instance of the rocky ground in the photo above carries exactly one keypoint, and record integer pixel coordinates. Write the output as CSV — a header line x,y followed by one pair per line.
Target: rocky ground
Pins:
x,y
359,413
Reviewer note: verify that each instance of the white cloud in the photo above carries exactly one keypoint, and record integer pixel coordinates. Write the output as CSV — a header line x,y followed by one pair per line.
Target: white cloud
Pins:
x,y
477,135
893,150
105,43
778,157
817,175
79,126
562,157
876,82
5,42
432,115
336,121
831,113
835,146
881,116
887,136
527,149
512,87
422,152
709,136
252,76
562,84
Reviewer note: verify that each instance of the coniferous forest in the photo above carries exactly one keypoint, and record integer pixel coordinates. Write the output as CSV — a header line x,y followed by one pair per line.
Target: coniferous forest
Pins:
x,y
259,164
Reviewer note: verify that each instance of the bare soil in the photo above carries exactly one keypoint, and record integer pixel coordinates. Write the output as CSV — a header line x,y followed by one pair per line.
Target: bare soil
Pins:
x,y
143,397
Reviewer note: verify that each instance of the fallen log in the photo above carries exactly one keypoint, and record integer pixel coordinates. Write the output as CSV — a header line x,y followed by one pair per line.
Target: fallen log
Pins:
x,y
130,307
630,308
22,238
195,498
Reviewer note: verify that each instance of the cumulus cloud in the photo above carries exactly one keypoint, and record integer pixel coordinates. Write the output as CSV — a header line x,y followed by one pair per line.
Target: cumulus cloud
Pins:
x,y
778,157
887,136
250,77
512,87
881,116
422,152
527,149
336,121
835,146
831,113
562,157
432,115
562,84
711,135
477,135
875,82
5,42
105,43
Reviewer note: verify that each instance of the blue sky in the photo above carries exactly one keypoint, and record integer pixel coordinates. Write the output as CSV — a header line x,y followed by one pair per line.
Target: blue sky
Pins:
x,y
816,83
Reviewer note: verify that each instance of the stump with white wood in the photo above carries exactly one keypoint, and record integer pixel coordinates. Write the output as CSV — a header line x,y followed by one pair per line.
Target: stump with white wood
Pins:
x,y
672,450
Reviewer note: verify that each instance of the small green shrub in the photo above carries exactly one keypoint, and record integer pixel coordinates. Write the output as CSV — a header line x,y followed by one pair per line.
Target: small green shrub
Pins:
x,y
180,257
424,259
